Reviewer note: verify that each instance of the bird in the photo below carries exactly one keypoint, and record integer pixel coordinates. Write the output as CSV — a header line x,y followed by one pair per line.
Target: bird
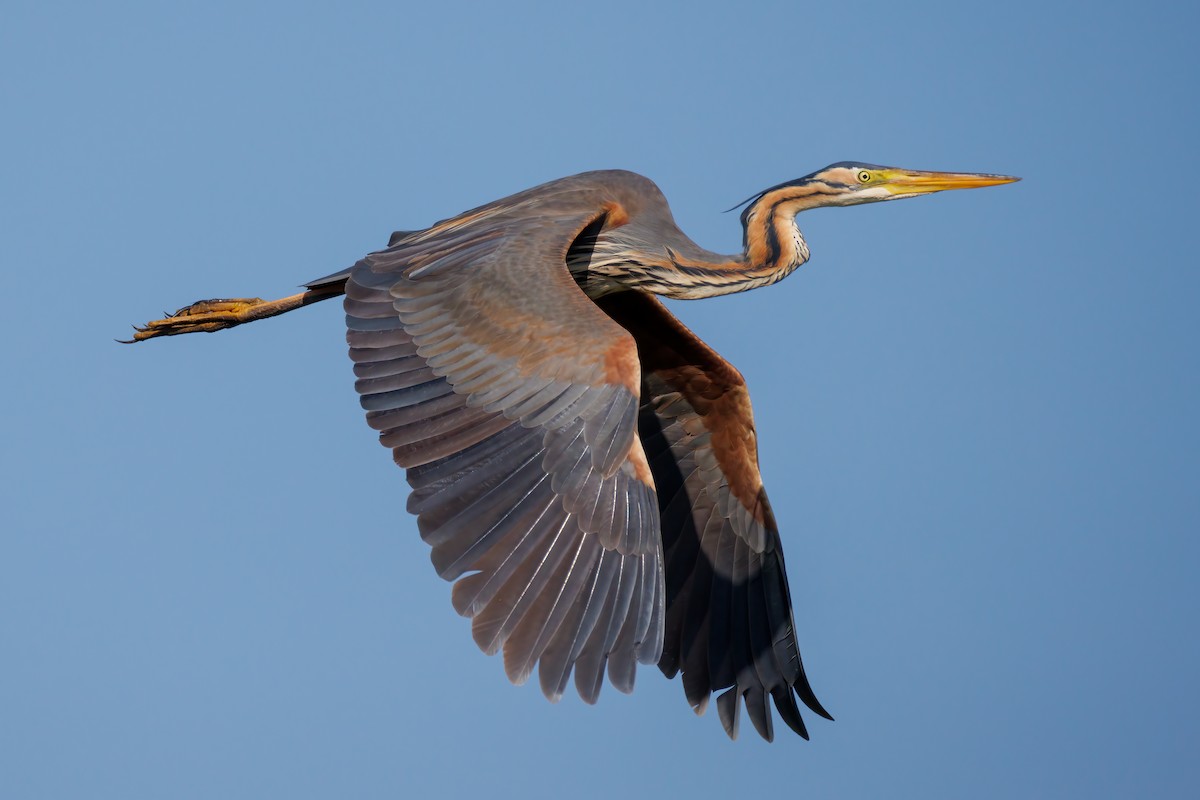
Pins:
x,y
582,465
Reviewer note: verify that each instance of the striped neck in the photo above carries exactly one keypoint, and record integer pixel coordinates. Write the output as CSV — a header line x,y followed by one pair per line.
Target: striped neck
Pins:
x,y
773,248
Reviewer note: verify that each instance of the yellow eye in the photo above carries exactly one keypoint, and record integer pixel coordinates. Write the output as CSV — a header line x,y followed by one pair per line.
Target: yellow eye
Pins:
x,y
864,177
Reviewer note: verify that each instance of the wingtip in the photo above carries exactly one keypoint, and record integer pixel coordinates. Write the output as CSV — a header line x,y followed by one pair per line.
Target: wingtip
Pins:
x,y
789,712
814,705
727,708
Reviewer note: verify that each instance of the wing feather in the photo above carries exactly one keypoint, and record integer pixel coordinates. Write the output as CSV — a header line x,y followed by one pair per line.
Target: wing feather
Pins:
x,y
728,624
554,669
512,402
531,638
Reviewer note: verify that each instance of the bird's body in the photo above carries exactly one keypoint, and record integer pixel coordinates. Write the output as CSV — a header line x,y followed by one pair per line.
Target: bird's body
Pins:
x,y
583,466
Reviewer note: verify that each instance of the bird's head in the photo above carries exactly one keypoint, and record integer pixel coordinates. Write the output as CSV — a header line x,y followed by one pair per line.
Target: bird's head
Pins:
x,y
850,183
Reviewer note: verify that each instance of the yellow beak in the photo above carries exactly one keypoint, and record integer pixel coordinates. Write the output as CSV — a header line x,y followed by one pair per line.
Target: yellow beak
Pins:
x,y
914,182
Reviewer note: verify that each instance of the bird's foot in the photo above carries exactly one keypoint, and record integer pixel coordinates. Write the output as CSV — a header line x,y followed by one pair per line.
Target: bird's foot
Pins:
x,y
204,316
207,316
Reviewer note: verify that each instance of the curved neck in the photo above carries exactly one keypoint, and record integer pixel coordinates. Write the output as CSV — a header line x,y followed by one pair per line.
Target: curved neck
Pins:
x,y
770,236
773,247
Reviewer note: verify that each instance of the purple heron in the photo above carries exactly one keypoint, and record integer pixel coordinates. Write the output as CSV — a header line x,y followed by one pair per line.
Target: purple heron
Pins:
x,y
583,466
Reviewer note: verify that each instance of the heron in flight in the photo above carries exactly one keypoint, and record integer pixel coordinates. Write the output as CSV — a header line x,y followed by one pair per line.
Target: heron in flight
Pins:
x,y
584,467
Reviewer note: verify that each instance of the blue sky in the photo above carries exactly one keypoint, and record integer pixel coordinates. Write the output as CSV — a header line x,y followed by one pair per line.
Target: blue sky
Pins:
x,y
977,411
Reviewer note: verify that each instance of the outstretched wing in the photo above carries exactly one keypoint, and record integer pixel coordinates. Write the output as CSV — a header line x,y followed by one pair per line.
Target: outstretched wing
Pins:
x,y
729,612
511,401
